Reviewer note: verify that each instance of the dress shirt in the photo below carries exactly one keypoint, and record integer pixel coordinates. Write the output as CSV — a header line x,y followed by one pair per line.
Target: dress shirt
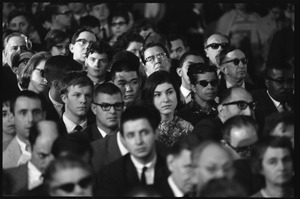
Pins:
x,y
229,85
276,103
26,155
122,148
58,106
177,192
34,176
70,125
185,92
103,133
149,174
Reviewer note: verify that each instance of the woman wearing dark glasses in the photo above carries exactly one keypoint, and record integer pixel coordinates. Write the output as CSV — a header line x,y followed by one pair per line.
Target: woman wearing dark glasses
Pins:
x,y
204,85
69,176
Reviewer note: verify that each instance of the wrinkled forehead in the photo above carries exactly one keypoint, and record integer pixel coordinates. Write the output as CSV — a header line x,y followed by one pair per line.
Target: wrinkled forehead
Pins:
x,y
87,35
16,40
216,38
235,54
240,94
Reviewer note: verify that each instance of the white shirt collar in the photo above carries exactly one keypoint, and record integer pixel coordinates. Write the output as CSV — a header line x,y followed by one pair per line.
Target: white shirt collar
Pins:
x,y
177,192
150,169
229,85
58,106
185,92
276,103
70,125
103,133
34,176
22,146
122,148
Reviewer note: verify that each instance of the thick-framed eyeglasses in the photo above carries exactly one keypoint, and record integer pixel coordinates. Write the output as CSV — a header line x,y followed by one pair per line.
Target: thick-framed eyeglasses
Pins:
x,y
215,46
158,56
205,83
240,149
69,187
242,105
66,12
42,71
24,61
106,106
83,42
121,23
237,61
282,81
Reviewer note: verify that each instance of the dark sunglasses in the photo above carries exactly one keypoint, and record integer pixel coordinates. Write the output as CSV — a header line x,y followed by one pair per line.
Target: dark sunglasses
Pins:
x,y
242,105
42,71
237,61
282,81
240,149
69,187
24,61
216,45
119,23
107,106
205,83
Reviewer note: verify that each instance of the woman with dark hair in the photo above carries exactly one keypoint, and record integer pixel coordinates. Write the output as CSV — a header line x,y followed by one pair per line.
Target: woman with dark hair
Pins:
x,y
32,76
57,42
161,91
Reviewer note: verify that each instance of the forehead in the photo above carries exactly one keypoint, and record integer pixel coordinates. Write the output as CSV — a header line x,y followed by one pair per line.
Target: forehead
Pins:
x,y
214,154
135,44
65,175
276,153
235,54
153,51
118,18
207,75
194,59
16,40
63,8
136,125
126,75
217,39
163,87
104,97
26,102
280,73
80,89
98,56
87,35
18,19
239,94
243,136
177,42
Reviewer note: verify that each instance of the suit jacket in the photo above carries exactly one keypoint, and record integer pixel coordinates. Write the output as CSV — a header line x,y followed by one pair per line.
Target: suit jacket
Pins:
x,y
18,178
119,176
209,129
9,81
91,133
51,113
11,155
164,188
105,151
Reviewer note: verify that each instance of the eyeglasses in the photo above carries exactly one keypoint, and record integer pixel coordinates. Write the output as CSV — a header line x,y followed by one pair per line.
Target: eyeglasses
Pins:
x,y
158,56
118,23
106,106
69,187
237,61
241,149
205,83
83,42
66,12
216,45
42,71
282,81
242,105
24,61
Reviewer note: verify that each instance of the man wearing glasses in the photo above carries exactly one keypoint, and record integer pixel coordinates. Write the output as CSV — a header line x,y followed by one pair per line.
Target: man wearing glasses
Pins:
x,y
233,65
279,95
155,57
79,44
233,101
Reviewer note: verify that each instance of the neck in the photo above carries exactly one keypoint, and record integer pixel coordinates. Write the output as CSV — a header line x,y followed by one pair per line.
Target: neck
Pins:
x,y
58,27
108,131
148,158
98,79
55,95
278,191
76,119
23,139
185,85
234,81
7,136
167,117
205,105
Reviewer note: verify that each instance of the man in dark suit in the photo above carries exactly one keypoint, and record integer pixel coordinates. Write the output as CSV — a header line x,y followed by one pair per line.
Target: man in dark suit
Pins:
x,y
279,95
142,165
234,101
107,105
179,183
29,175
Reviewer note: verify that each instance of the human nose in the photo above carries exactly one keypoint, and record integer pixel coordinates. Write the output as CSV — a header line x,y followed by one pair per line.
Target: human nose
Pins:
x,y
30,117
138,139
220,173
165,98
128,87
248,111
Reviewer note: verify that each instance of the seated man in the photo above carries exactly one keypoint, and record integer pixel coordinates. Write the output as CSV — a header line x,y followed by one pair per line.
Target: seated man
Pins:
x,y
143,165
76,93
27,109
179,46
204,85
125,75
99,54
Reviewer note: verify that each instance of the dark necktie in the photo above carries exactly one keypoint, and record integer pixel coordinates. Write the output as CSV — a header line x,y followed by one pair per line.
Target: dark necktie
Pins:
x,y
104,35
143,178
78,128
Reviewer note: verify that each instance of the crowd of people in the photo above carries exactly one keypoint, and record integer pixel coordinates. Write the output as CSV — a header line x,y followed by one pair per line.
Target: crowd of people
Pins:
x,y
148,99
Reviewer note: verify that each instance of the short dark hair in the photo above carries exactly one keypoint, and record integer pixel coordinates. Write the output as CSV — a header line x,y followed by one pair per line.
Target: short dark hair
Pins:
x,y
118,13
238,121
173,37
100,47
52,9
89,21
16,13
125,39
218,33
188,53
278,65
136,112
28,94
78,32
57,66
261,147
188,142
222,55
107,88
74,78
55,37
151,45
199,68
155,79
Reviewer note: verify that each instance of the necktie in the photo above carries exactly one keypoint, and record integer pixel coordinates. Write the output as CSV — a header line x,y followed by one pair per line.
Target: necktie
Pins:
x,y
104,35
143,178
281,107
78,128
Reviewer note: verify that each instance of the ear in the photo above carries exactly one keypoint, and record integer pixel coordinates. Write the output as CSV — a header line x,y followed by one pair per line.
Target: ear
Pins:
x,y
267,83
44,114
205,49
93,107
71,47
224,70
170,161
179,71
64,98
15,70
187,49
221,109
193,87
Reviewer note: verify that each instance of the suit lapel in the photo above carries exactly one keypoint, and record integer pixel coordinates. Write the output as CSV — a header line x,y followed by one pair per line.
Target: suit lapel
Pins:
x,y
95,134
12,154
130,171
112,148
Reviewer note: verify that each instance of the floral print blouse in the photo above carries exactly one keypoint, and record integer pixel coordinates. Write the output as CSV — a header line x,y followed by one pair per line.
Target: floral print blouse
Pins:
x,y
170,131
